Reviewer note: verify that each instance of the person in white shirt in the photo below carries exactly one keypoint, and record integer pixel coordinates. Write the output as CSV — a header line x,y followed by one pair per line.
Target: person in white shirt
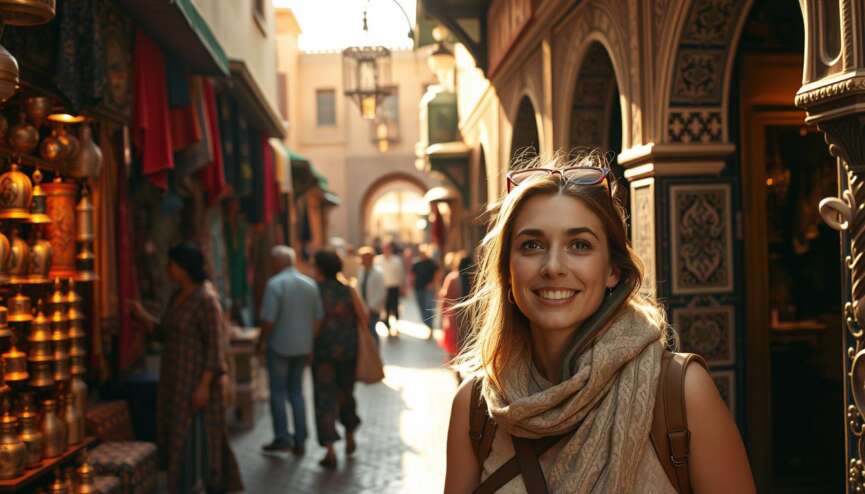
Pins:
x,y
391,266
370,285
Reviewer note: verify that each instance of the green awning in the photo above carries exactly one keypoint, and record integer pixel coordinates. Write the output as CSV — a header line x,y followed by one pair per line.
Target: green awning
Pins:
x,y
304,177
177,26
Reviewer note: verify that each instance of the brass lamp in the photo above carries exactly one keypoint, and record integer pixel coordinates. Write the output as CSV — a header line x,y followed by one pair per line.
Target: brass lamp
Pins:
x,y
15,194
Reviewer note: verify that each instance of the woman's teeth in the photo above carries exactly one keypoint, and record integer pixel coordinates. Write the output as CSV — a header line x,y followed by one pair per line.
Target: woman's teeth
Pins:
x,y
556,294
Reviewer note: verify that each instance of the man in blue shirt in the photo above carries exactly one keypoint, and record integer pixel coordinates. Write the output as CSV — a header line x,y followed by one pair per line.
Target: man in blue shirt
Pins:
x,y
291,312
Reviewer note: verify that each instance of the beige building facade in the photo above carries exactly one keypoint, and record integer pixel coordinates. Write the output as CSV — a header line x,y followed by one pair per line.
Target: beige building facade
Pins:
x,y
326,128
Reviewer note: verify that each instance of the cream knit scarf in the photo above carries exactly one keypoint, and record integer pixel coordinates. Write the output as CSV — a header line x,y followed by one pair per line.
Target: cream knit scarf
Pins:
x,y
609,400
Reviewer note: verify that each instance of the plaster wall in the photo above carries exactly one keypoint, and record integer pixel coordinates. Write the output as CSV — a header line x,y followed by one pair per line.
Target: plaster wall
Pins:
x,y
246,38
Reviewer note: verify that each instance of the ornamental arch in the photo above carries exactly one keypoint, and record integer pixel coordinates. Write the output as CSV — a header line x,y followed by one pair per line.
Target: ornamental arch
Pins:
x,y
399,187
525,136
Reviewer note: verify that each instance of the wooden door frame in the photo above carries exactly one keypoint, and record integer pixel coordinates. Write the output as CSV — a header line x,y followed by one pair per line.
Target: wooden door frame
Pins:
x,y
765,100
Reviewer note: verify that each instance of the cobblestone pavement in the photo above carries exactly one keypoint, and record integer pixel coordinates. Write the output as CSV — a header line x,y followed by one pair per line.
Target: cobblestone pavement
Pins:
x,y
401,441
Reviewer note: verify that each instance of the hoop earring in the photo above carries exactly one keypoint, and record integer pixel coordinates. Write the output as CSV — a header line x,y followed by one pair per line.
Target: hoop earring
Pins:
x,y
511,296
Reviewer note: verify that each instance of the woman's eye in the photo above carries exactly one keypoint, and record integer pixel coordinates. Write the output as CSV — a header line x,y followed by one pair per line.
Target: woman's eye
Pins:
x,y
581,245
531,245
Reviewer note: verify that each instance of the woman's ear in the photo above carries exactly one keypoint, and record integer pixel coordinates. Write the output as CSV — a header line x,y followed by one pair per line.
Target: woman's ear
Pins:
x,y
614,276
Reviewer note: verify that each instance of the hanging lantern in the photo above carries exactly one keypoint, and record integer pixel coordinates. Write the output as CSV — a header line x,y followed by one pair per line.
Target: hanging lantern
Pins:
x,y
366,75
27,12
8,74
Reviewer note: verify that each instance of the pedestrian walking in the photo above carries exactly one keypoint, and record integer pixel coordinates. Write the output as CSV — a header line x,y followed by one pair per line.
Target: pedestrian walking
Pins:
x,y
455,288
424,277
371,286
191,429
334,364
569,355
391,265
291,312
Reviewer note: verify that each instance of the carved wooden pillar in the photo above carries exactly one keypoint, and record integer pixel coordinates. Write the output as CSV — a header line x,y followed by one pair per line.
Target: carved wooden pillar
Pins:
x,y
833,94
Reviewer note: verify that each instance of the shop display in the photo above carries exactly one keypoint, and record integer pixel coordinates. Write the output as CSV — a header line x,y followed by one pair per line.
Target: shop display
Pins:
x,y
13,453
29,432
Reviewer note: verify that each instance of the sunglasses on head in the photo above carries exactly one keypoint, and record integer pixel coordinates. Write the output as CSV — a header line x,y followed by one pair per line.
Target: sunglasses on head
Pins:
x,y
582,175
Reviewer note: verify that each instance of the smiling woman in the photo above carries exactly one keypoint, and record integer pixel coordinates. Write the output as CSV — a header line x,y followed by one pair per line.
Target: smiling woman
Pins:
x,y
568,354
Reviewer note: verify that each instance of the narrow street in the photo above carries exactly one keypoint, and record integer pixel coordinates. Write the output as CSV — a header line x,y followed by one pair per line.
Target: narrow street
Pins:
x,y
401,442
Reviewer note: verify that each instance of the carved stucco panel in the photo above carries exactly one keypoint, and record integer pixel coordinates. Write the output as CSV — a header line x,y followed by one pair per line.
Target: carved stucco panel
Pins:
x,y
643,230
702,245
707,331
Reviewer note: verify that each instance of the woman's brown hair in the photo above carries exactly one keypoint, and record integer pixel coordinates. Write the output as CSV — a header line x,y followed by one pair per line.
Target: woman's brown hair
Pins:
x,y
501,331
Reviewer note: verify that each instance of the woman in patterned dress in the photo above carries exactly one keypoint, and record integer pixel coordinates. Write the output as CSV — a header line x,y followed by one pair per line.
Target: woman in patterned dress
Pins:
x,y
191,432
334,363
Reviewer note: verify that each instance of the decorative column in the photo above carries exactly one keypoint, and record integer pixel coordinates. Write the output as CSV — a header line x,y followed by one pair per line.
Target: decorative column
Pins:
x,y
833,94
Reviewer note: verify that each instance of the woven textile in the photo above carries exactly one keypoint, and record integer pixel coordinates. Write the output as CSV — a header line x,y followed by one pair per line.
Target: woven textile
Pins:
x,y
134,463
107,484
110,421
609,400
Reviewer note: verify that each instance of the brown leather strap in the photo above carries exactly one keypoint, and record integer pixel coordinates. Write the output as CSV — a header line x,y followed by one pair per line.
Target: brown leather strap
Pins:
x,y
670,435
530,467
511,468
482,429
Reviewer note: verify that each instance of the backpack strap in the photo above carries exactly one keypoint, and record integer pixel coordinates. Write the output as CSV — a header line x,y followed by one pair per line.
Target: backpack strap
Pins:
x,y
482,429
670,435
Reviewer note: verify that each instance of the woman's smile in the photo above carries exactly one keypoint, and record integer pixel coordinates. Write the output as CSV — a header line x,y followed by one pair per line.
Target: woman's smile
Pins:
x,y
556,296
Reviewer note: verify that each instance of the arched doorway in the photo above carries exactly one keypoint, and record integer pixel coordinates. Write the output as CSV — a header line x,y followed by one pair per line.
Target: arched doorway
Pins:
x,y
393,209
793,298
596,113
525,142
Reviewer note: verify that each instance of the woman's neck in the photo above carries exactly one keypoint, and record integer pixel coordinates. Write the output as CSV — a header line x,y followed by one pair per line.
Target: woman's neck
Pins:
x,y
548,350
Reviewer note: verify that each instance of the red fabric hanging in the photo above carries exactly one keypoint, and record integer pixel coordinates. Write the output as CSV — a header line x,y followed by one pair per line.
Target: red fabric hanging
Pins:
x,y
213,175
152,122
130,341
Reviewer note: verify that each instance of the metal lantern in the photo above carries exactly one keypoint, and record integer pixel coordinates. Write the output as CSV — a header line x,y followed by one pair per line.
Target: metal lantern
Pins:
x,y
366,75
8,74
27,12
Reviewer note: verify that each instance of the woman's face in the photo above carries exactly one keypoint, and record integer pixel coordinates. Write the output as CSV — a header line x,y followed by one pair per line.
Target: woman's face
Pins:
x,y
175,272
559,262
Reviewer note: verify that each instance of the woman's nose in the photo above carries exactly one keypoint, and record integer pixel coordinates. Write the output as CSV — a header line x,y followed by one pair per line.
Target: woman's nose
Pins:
x,y
553,263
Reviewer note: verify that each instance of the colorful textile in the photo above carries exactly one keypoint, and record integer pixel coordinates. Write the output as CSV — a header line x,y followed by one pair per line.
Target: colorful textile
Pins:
x,y
130,340
152,122
134,463
334,363
80,72
198,154
453,323
192,335
213,175
254,200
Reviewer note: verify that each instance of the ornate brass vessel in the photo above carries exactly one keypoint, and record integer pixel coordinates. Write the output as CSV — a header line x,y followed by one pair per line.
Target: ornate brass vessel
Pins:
x,y
59,485
41,353
51,149
60,207
5,332
8,74
39,262
13,453
23,136
88,163
19,254
27,12
84,477
58,301
29,432
74,421
53,430
60,340
15,193
19,308
38,215
15,360
5,248
36,108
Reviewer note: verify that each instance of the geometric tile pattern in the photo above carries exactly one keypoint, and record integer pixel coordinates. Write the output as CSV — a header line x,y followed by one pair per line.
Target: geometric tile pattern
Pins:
x,y
707,331
687,125
643,231
702,245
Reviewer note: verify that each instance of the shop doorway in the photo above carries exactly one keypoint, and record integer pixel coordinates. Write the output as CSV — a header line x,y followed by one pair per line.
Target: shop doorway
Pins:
x,y
793,286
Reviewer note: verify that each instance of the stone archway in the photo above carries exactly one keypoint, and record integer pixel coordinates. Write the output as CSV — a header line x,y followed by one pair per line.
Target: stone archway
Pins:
x,y
525,140
384,186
